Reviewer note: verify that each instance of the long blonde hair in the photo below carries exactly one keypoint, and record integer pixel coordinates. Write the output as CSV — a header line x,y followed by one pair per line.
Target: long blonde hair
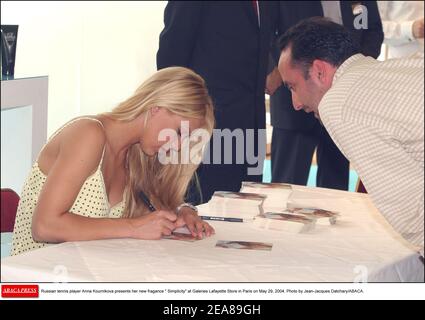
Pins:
x,y
182,92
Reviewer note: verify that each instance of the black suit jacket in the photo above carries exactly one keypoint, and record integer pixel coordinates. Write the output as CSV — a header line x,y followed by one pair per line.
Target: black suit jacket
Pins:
x,y
223,43
282,112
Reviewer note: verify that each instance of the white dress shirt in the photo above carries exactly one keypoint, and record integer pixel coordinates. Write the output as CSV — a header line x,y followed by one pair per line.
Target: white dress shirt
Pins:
x,y
397,20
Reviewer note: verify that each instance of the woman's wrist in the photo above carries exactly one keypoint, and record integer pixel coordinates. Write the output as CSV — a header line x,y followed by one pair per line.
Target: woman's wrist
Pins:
x,y
181,210
129,228
186,206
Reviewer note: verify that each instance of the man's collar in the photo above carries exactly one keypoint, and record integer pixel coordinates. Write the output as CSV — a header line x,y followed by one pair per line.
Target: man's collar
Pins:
x,y
346,65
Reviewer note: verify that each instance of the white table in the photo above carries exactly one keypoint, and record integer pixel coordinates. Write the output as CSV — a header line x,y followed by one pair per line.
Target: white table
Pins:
x,y
361,246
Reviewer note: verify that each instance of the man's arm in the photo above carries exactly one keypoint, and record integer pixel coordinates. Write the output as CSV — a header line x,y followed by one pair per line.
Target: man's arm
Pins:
x,y
177,40
274,80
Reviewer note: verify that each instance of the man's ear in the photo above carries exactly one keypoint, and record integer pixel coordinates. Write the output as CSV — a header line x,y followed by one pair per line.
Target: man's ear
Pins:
x,y
322,71
318,70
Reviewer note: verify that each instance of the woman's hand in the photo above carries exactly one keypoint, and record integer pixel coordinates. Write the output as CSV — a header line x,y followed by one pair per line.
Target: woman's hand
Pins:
x,y
153,225
194,223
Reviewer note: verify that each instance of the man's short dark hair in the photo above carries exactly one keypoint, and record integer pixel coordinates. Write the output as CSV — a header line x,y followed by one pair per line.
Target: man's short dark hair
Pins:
x,y
318,38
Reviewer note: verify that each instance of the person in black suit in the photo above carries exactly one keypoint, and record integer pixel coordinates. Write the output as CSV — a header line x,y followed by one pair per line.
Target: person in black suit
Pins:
x,y
228,44
296,134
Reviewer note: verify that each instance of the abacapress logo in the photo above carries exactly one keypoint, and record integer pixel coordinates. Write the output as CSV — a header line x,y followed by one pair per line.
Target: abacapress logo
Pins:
x,y
19,291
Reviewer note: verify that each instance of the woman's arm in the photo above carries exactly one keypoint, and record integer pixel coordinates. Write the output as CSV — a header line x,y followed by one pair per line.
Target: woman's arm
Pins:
x,y
80,151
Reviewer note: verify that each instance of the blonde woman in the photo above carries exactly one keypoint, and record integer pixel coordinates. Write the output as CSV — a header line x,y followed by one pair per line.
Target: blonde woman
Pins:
x,y
86,181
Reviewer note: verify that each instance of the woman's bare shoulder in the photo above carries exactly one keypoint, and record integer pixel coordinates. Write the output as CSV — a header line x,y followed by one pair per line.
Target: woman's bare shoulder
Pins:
x,y
82,140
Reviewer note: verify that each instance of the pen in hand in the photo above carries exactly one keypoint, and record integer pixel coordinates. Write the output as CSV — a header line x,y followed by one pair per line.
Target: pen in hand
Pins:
x,y
146,201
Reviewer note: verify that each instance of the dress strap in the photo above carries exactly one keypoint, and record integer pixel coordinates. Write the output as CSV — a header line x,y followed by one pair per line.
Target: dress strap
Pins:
x,y
71,122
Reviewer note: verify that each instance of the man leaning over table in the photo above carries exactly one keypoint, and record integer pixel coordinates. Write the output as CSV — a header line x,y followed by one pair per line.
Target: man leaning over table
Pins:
x,y
297,134
374,112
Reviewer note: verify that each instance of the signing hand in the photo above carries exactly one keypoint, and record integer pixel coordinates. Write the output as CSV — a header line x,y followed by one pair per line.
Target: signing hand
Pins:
x,y
153,225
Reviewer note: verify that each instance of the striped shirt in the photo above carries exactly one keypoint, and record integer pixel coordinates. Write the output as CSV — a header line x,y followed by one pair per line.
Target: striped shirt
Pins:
x,y
374,112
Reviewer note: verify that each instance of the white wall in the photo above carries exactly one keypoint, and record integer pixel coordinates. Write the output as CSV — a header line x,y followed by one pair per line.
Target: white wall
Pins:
x,y
15,147
95,53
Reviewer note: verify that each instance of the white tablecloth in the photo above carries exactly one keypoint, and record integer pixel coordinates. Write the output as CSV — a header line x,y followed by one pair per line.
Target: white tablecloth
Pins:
x,y
361,246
